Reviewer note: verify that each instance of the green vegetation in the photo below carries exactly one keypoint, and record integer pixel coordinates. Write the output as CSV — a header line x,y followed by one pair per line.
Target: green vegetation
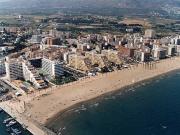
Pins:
x,y
67,78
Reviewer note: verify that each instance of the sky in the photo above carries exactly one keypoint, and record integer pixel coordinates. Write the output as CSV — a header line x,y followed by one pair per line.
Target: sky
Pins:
x,y
4,0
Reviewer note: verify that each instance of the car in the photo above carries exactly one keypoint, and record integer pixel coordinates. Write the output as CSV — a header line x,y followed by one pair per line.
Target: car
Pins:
x,y
18,94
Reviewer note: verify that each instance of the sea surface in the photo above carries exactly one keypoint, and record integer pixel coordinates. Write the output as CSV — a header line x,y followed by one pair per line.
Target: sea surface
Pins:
x,y
147,108
3,127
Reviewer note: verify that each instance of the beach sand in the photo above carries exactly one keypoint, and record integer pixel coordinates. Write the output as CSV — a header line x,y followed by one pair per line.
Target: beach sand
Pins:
x,y
44,108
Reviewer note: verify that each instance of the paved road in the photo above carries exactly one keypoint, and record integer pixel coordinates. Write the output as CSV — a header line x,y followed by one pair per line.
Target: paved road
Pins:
x,y
6,86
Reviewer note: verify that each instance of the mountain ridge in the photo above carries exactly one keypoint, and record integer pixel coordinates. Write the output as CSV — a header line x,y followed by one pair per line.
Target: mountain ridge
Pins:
x,y
88,3
102,7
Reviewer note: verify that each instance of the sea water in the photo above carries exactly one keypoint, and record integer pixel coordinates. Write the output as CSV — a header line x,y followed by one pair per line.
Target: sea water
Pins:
x,y
148,108
3,131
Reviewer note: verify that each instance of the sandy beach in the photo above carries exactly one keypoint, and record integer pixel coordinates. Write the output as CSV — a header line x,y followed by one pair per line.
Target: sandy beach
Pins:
x,y
41,108
45,106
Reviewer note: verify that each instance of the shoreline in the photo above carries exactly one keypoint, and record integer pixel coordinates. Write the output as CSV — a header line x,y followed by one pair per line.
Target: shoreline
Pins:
x,y
59,100
7,115
53,119
40,109
32,127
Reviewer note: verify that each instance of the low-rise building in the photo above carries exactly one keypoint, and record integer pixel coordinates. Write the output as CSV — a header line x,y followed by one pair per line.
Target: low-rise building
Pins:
x,y
53,41
82,47
125,52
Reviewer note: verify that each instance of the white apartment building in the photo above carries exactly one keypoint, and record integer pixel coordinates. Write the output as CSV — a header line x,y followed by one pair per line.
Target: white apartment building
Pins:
x,y
30,74
53,68
14,69
149,33
159,53
177,48
176,40
18,69
171,50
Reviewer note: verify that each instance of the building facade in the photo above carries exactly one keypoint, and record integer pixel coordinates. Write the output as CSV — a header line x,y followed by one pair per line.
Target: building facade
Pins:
x,y
52,67
18,69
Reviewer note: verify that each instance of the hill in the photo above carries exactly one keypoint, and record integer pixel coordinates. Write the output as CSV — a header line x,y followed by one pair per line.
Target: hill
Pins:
x,y
88,4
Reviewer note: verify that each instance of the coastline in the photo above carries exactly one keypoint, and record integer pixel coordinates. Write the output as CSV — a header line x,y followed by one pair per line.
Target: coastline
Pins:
x,y
3,116
32,127
53,102
64,97
146,105
54,118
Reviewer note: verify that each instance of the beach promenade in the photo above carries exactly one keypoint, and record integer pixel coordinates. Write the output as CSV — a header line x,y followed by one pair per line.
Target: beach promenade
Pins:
x,y
42,107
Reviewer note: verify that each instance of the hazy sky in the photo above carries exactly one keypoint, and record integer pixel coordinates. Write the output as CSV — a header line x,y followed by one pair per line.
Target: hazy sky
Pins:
x,y
3,0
